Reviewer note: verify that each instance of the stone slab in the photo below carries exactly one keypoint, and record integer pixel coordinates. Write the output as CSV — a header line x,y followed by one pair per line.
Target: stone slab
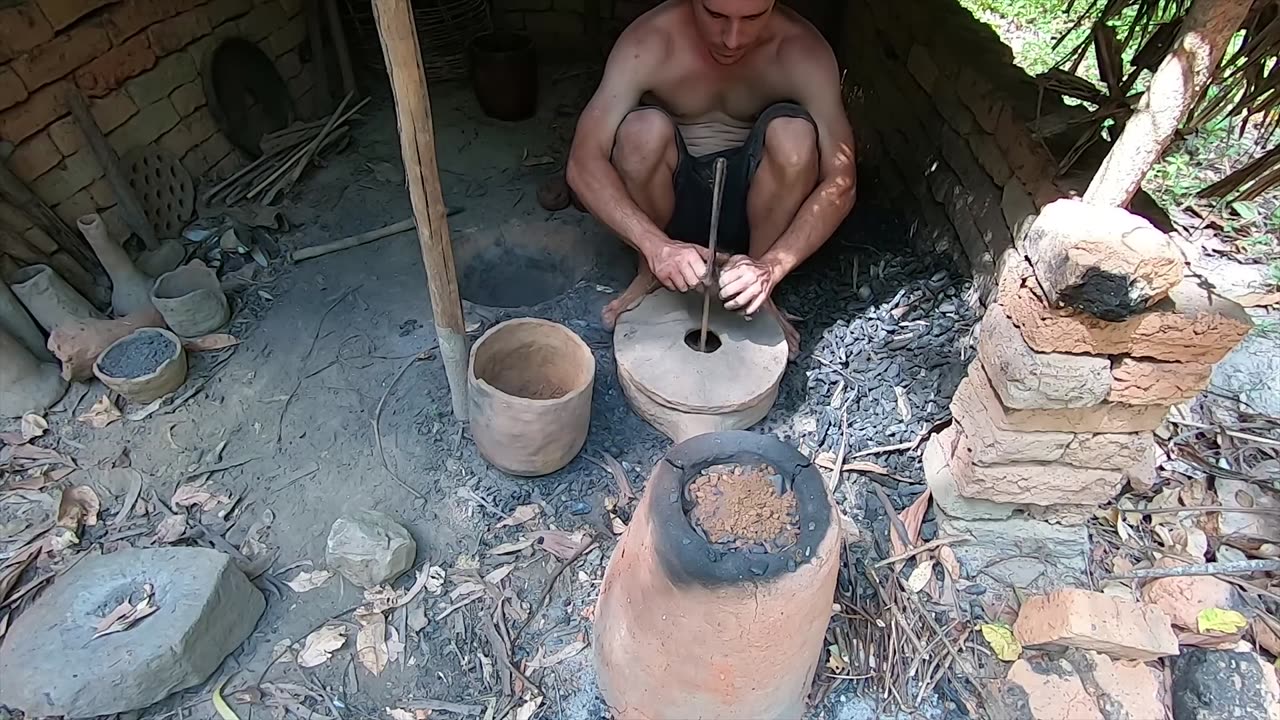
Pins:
x,y
1044,484
50,666
1029,380
1223,685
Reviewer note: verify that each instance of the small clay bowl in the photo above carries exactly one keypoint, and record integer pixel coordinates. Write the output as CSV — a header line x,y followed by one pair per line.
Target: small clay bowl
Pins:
x,y
143,368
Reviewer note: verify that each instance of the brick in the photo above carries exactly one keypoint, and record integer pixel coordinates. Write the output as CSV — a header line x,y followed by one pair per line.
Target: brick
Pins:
x,y
177,32
286,38
989,156
12,91
187,98
130,17
1182,598
220,11
1087,620
194,163
1044,484
188,133
62,55
13,219
299,85
200,49
977,93
33,114
164,78
1121,688
1019,552
959,117
22,27
1028,158
109,71
526,5
70,176
201,125
1026,379
992,444
1151,382
289,65
113,218
62,13
41,240
262,21
150,123
101,192
33,156
226,166
1112,451
1018,209
108,112
291,7
981,196
1193,324
214,149
920,63
1105,261
1051,690
942,483
74,207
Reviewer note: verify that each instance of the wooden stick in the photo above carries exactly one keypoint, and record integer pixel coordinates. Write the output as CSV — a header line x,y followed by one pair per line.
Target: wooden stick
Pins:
x,y
16,193
339,37
353,241
1234,567
937,543
315,33
110,162
300,153
418,148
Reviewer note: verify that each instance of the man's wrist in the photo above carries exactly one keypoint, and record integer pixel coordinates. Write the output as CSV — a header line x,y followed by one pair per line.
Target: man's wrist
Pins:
x,y
777,268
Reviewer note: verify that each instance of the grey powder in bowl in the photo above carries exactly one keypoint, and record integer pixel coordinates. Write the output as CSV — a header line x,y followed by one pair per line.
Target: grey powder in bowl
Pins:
x,y
138,356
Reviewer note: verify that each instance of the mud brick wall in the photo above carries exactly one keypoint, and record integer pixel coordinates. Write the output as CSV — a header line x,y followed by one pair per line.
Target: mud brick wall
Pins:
x,y
138,63
942,117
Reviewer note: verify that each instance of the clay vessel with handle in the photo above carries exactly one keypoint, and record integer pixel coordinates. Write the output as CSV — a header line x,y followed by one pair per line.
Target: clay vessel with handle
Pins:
x,y
15,320
130,287
49,299
26,384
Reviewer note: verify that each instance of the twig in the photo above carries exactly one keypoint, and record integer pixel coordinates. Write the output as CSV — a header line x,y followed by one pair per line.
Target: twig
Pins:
x,y
310,349
837,470
1233,567
611,464
894,520
218,467
939,542
1201,508
442,706
542,600
377,423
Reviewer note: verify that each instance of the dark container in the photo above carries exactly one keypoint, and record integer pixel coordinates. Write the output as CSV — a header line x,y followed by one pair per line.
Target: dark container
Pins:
x,y
504,74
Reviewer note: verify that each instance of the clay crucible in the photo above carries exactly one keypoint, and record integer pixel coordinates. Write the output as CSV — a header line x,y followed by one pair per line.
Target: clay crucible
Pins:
x,y
686,629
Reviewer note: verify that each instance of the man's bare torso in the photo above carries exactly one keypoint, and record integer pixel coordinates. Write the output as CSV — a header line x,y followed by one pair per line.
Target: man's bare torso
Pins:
x,y
713,104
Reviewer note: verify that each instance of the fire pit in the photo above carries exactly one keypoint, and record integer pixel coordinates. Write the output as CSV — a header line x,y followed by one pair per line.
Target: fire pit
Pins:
x,y
716,601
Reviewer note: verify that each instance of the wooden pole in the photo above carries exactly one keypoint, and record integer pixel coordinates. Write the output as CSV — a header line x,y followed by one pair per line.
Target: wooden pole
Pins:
x,y
418,150
1175,88
119,182
339,36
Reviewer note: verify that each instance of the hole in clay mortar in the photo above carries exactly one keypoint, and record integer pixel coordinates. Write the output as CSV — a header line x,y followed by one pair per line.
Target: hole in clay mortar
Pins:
x,y
694,337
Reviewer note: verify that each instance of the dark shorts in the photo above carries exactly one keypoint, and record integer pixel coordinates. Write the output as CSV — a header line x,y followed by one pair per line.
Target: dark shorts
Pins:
x,y
694,176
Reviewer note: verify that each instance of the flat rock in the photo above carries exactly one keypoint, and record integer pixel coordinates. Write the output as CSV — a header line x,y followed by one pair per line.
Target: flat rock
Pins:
x,y
942,484
1026,379
1045,484
1020,552
1251,372
1137,381
1073,618
1121,688
369,548
1223,685
50,666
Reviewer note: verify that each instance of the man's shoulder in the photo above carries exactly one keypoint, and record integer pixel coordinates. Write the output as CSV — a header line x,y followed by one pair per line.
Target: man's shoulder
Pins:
x,y
799,42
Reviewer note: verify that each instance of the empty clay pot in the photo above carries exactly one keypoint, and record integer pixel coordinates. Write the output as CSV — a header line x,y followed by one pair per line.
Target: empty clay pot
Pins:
x,y
15,319
529,385
49,299
130,288
26,384
144,365
685,629
191,300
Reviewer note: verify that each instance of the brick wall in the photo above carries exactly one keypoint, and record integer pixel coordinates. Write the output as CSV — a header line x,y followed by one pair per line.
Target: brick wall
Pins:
x,y
138,63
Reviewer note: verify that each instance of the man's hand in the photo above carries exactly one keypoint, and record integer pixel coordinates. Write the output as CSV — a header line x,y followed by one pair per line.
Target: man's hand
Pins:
x,y
679,266
745,283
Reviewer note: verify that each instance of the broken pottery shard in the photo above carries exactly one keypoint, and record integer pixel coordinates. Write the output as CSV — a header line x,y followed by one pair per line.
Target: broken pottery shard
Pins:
x,y
1073,618
1050,483
369,548
1026,379
1019,552
50,666
1151,382
1223,685
1105,261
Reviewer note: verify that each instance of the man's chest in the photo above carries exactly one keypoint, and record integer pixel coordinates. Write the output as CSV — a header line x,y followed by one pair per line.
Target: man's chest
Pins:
x,y
698,95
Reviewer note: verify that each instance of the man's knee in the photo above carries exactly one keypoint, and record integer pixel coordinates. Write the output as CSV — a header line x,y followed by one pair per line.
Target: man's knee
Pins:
x,y
791,144
644,139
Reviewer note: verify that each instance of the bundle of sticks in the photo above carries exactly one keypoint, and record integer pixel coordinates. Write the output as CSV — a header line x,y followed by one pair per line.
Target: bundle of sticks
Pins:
x,y
285,154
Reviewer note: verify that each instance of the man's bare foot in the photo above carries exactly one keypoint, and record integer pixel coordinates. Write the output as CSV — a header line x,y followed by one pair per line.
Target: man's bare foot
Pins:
x,y
788,330
644,284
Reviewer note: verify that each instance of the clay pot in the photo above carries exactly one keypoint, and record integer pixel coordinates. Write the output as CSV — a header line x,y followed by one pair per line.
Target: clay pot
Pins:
x,y
504,74
26,384
15,320
191,300
79,343
130,288
529,385
162,380
49,299
687,630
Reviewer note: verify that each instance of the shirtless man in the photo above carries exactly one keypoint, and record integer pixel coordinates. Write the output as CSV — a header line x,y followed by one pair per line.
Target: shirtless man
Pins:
x,y
692,80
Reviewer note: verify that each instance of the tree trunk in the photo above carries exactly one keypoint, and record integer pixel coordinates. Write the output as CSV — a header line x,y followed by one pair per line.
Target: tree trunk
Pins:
x,y
1175,88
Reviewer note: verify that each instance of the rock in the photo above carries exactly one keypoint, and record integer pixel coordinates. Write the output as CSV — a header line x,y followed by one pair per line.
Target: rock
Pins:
x,y
1251,372
1052,690
992,444
1020,552
1223,685
1240,494
1150,382
1048,483
1105,261
1191,325
942,484
975,390
1073,618
1026,379
369,548
1182,598
49,665
1121,688
553,194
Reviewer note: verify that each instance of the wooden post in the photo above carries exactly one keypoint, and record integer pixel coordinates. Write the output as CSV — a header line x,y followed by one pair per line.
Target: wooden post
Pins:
x,y
339,36
130,206
1175,88
418,149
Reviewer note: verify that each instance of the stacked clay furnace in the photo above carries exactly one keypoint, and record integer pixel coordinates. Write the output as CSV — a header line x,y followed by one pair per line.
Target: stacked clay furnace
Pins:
x,y
1058,409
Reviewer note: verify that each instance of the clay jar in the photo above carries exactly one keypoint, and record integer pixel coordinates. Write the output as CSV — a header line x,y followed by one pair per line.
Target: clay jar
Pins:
x,y
529,385
15,320
130,288
26,384
191,300
685,629
159,379
49,298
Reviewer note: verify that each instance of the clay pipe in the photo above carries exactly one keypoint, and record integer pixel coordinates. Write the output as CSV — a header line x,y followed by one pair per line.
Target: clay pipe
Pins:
x,y
709,282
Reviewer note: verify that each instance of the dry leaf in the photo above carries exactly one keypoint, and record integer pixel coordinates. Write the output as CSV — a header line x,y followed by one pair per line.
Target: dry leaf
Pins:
x,y
305,581
418,620
947,558
192,494
171,529
1259,299
144,412
836,660
33,426
435,580
616,525
41,455
283,652
920,576
126,614
522,515
496,575
512,547
527,710
562,544
320,645
1000,637
912,518
103,413
559,656
380,598
371,642
205,343
395,646
80,505
1217,620
398,714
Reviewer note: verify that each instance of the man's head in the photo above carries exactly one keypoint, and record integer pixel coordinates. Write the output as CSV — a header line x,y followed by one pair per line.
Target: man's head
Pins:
x,y
731,27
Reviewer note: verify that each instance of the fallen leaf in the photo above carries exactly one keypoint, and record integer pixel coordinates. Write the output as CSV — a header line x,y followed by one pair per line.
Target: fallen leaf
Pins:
x,y
912,518
171,529
1259,299
219,704
380,598
836,661
371,642
206,343
1217,620
527,710
33,426
395,646
535,160
562,544
193,494
559,656
12,438
947,558
398,714
305,581
904,407
145,411
512,547
103,413
126,614
616,525
522,515
920,576
1000,637
496,575
33,452
24,516
435,580
80,505
320,645
418,620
